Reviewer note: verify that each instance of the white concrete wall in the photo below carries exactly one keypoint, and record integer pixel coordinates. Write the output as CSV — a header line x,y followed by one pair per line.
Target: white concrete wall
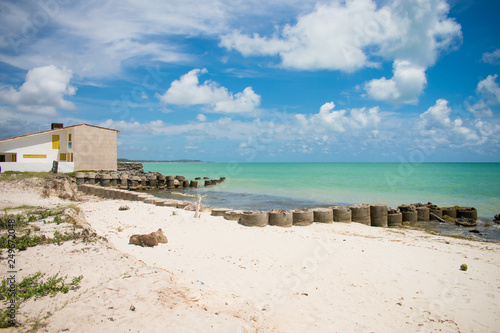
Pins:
x,y
37,167
37,144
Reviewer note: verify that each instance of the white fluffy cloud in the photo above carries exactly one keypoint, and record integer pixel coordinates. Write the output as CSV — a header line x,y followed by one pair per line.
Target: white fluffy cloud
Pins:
x,y
492,58
327,38
346,36
438,125
488,92
188,91
405,86
437,115
489,89
329,120
479,109
42,92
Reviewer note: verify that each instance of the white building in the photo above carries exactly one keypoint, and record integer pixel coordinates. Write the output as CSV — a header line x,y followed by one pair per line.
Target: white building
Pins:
x,y
77,147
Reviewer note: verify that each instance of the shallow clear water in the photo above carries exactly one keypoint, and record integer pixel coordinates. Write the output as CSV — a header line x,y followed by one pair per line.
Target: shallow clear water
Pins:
x,y
292,185
267,186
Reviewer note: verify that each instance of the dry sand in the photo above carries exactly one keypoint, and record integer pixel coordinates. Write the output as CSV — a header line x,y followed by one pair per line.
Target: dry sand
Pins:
x,y
215,275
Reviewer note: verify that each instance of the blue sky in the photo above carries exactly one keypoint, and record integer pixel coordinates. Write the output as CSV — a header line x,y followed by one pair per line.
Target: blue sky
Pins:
x,y
259,81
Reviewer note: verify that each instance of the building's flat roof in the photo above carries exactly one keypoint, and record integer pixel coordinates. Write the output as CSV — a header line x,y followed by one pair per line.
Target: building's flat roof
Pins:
x,y
58,129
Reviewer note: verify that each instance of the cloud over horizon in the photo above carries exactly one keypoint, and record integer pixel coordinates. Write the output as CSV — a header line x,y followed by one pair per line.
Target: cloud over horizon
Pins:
x,y
42,92
188,91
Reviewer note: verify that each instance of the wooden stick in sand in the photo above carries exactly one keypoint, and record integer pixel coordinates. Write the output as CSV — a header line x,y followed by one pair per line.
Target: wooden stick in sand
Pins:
x,y
198,205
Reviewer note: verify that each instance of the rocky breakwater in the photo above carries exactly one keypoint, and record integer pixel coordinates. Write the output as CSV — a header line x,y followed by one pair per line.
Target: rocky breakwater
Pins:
x,y
130,167
126,185
136,180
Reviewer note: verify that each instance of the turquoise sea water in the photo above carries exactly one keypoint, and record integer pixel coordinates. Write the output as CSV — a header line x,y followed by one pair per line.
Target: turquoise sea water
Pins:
x,y
294,185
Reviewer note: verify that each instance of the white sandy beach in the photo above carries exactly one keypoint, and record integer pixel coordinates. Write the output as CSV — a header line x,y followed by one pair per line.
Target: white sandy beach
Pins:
x,y
215,275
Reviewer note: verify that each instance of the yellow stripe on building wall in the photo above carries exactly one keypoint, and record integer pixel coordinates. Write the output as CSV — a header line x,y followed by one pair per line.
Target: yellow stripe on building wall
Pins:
x,y
55,141
34,156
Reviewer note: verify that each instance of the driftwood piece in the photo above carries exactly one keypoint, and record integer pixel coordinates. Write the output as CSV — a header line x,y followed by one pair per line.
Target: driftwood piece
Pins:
x,y
436,217
151,239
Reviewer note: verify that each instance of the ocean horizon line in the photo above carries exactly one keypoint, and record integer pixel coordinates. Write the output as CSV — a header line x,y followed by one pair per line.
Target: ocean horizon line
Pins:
x,y
200,161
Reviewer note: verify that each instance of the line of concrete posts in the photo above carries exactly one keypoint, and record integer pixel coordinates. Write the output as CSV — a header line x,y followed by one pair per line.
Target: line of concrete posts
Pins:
x,y
142,182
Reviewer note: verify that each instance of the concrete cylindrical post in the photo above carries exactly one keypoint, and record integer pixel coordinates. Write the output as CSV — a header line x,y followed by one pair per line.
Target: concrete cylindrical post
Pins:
x,y
233,215
303,217
361,214
450,211
436,211
423,213
135,182
410,216
219,211
323,215
161,181
394,219
281,218
80,178
180,178
406,208
185,183
90,178
193,183
208,183
254,219
342,214
124,181
105,180
378,215
115,179
98,179
144,182
152,180
467,212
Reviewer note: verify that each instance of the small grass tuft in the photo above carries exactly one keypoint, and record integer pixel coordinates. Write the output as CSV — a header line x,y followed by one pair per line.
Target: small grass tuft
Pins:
x,y
34,286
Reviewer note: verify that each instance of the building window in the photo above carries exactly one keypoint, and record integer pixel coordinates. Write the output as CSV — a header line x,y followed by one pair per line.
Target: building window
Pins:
x,y
55,141
70,157
34,156
62,157
70,145
69,138
8,157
